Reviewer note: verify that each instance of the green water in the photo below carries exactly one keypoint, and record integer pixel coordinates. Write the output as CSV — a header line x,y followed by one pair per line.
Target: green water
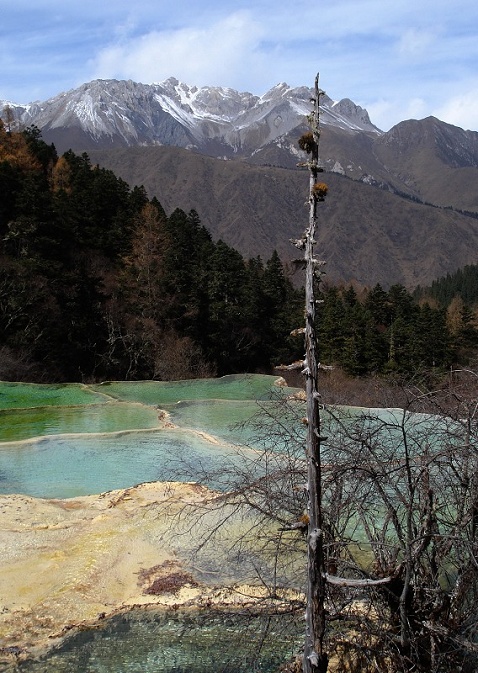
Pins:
x,y
28,395
71,440
65,441
70,466
20,424
234,387
225,420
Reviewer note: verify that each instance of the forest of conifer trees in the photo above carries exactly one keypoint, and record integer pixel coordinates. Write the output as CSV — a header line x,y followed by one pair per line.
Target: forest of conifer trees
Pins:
x,y
97,282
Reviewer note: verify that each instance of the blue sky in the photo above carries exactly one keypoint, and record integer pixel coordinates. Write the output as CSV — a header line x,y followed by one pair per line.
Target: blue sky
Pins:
x,y
400,60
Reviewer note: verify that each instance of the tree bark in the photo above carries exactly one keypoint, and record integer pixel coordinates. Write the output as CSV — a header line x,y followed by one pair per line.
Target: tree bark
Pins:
x,y
315,658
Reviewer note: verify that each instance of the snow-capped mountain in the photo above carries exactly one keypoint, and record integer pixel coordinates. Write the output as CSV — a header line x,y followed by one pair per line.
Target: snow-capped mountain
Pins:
x,y
213,120
407,212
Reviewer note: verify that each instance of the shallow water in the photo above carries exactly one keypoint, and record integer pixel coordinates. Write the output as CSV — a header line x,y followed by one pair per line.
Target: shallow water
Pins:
x,y
66,441
173,642
234,387
20,424
28,395
70,466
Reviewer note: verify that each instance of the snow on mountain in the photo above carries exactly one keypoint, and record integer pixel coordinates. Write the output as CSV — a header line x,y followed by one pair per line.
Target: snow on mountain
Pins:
x,y
214,120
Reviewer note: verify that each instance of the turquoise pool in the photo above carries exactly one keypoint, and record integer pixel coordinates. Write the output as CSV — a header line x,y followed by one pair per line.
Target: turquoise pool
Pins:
x,y
71,440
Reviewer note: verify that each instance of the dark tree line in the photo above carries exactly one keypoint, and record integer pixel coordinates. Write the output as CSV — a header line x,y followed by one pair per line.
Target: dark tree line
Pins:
x,y
463,282
98,282
388,332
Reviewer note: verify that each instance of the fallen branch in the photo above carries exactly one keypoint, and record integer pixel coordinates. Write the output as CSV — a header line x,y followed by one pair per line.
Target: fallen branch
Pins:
x,y
349,582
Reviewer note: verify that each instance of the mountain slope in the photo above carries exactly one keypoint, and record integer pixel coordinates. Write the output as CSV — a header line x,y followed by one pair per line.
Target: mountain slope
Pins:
x,y
366,234
374,226
436,161
427,160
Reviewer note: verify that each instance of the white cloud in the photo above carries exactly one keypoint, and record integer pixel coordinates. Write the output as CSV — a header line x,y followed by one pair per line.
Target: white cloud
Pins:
x,y
380,112
197,55
387,112
416,42
402,60
461,109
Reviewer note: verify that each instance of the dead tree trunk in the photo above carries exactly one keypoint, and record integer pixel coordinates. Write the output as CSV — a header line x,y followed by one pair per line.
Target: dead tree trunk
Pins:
x,y
315,658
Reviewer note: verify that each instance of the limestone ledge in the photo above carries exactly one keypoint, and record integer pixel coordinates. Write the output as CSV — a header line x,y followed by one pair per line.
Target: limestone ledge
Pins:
x,y
69,563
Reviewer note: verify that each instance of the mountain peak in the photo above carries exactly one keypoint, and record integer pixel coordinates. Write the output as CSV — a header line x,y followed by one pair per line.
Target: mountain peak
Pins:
x,y
215,120
348,108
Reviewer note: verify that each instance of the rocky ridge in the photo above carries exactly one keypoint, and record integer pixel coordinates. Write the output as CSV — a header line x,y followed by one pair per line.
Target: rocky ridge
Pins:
x,y
216,121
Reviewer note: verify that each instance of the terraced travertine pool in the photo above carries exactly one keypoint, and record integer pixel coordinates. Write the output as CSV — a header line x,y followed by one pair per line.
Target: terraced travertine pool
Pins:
x,y
63,441
60,441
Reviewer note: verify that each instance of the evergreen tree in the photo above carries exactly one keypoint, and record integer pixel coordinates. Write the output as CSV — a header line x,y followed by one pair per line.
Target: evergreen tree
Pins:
x,y
282,312
138,303
331,326
377,304
96,280
230,337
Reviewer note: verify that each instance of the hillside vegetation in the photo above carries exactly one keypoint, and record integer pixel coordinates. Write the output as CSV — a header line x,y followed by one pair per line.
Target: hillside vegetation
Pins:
x,y
98,282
